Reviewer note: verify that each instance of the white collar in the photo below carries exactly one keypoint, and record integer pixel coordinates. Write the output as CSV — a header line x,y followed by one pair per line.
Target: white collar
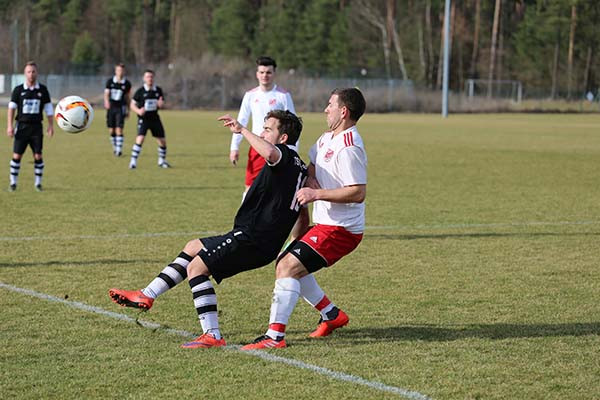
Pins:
x,y
148,88
116,81
36,86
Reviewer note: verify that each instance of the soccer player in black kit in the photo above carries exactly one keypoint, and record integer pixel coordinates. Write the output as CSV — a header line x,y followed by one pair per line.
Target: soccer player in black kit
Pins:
x,y
116,102
261,226
29,100
146,102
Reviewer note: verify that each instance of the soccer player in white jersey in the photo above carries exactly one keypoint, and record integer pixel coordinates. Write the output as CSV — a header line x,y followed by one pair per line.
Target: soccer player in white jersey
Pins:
x,y
257,103
338,189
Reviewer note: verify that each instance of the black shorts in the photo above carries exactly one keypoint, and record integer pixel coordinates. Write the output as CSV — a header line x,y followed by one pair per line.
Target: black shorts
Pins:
x,y
155,126
115,117
28,135
229,254
311,260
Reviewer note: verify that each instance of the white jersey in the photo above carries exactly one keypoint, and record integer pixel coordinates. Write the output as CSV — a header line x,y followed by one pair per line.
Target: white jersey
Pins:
x,y
257,103
339,161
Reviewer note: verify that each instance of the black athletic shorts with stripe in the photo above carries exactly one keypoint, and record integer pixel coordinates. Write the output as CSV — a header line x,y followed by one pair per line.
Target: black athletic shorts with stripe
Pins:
x,y
28,134
229,254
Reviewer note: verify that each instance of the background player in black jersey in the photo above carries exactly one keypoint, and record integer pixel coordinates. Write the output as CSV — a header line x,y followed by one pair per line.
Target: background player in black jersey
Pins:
x,y
29,100
260,228
146,102
116,101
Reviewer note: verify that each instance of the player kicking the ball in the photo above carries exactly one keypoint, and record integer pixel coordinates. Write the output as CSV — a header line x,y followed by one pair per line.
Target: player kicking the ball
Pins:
x,y
338,161
260,228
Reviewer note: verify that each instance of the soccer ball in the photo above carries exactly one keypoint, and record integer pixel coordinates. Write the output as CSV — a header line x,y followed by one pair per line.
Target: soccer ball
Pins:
x,y
73,114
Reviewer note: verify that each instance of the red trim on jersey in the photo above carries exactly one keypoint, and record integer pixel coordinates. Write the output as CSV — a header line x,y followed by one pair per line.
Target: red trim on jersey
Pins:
x,y
255,164
323,303
331,242
348,139
277,327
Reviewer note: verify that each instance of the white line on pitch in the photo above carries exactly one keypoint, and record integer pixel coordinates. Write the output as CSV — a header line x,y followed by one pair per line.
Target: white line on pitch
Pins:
x,y
367,228
409,394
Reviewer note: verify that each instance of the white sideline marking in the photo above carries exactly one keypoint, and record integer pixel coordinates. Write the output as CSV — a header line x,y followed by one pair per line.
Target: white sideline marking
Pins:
x,y
367,228
409,394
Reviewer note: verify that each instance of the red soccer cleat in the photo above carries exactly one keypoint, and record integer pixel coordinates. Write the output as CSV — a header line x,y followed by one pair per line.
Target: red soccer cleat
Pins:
x,y
326,327
264,342
135,299
204,341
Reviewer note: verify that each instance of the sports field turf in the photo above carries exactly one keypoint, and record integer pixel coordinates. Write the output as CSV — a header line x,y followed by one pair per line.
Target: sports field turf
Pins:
x,y
478,277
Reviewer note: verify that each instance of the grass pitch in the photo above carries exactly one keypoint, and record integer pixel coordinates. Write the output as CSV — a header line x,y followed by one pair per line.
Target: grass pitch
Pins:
x,y
477,278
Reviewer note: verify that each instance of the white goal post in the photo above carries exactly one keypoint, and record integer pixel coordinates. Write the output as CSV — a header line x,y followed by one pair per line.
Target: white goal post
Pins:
x,y
506,89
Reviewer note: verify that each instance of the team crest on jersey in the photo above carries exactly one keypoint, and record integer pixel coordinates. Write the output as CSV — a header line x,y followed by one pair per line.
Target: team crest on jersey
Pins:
x,y
328,155
39,94
272,102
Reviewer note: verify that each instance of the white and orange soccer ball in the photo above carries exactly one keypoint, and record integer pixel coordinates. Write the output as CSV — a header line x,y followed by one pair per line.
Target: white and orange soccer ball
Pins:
x,y
73,114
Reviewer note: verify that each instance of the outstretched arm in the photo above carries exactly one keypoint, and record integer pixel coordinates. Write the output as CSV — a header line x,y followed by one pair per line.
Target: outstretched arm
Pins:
x,y
267,150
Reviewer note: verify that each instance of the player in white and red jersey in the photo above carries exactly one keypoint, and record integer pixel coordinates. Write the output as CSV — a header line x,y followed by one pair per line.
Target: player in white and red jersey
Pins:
x,y
257,103
338,189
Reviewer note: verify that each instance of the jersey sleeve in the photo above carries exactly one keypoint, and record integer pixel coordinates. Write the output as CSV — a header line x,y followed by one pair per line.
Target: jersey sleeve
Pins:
x,y
137,97
160,92
243,118
46,96
14,97
286,154
107,86
352,166
127,87
289,103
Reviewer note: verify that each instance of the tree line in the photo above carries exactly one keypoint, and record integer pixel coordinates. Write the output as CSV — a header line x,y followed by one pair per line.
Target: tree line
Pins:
x,y
548,45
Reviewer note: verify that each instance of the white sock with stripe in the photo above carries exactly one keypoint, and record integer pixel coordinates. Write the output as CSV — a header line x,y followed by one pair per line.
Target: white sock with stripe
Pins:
x,y
15,167
205,301
314,295
169,277
285,297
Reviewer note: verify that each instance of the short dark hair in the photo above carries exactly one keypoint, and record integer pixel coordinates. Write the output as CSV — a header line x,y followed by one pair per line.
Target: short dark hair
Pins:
x,y
289,124
266,61
120,65
148,71
353,100
30,63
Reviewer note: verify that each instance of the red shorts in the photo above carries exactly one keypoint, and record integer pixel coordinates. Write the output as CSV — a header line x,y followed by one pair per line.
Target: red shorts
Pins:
x,y
255,164
331,242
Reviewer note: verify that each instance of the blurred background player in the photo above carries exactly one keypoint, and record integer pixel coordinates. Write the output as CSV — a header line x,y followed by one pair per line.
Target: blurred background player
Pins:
x,y
146,102
29,100
116,101
257,103
338,161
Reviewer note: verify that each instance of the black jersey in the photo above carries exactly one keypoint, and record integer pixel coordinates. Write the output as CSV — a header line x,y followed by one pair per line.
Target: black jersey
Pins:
x,y
149,100
30,102
118,91
270,207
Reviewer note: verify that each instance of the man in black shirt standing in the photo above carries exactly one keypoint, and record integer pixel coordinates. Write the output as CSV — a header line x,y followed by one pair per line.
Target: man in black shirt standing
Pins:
x,y
261,226
146,102
29,100
116,100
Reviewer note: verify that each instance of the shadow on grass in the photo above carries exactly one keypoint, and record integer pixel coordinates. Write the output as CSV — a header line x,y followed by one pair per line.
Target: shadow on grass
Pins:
x,y
476,235
434,333
77,263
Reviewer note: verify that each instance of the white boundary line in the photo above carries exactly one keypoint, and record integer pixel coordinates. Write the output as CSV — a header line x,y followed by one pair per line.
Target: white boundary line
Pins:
x,y
367,228
340,376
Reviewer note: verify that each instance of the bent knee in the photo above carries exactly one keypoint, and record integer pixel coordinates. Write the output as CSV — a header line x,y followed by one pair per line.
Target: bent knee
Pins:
x,y
290,267
193,247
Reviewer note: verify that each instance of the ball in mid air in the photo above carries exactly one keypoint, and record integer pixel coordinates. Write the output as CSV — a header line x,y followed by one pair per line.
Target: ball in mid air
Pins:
x,y
73,114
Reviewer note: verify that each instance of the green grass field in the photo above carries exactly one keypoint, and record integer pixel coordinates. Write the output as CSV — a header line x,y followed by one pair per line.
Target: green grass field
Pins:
x,y
477,278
